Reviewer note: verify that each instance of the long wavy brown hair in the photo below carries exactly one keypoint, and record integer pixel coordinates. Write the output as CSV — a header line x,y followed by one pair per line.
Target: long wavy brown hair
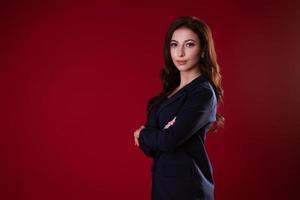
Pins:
x,y
170,75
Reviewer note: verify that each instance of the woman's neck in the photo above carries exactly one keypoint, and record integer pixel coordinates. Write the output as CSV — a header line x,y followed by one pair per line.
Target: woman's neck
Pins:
x,y
187,77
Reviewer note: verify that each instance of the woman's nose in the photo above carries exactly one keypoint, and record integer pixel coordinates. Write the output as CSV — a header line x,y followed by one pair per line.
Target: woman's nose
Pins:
x,y
180,51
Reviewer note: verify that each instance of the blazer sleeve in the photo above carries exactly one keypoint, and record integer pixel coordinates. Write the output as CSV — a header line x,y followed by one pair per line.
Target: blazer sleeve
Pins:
x,y
193,115
148,151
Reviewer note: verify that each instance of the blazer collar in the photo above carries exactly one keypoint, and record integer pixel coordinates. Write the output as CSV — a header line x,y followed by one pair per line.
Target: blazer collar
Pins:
x,y
196,81
182,92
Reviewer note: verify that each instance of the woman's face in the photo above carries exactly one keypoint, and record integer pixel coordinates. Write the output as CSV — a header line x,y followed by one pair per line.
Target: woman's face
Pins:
x,y
185,49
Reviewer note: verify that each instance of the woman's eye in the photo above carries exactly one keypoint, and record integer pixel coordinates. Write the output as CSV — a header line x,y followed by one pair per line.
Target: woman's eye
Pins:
x,y
173,45
190,44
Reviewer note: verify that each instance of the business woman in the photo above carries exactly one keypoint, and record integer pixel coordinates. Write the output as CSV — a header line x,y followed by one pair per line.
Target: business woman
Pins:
x,y
179,118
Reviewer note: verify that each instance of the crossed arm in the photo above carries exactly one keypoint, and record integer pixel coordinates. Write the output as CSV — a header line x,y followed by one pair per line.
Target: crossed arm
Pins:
x,y
194,114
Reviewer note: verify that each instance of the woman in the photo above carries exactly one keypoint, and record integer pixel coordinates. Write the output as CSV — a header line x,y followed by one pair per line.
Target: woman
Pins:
x,y
181,115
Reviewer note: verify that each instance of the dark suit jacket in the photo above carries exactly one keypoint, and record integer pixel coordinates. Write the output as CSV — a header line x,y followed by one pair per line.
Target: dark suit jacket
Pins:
x,y
181,168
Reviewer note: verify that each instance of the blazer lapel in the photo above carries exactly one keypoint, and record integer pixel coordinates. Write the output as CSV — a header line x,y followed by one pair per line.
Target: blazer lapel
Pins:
x,y
182,93
167,101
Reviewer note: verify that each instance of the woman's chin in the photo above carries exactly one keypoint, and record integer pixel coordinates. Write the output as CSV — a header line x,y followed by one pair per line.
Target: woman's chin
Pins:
x,y
183,68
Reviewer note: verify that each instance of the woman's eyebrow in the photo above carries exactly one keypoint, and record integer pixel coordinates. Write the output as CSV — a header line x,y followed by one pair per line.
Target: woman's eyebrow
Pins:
x,y
184,40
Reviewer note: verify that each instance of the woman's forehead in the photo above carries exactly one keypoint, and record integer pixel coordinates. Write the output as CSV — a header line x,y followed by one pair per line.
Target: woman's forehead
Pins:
x,y
184,34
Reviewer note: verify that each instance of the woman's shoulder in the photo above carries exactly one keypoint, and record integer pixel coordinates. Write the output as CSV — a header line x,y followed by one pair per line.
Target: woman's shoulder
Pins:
x,y
202,90
201,87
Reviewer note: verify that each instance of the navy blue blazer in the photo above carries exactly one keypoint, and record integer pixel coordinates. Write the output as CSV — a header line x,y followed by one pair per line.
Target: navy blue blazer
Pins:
x,y
181,168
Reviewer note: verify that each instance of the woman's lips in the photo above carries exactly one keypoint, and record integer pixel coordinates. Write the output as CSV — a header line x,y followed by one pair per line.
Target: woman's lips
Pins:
x,y
181,62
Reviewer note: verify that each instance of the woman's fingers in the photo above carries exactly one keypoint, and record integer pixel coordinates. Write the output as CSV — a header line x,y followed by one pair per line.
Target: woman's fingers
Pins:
x,y
173,120
136,136
170,123
136,142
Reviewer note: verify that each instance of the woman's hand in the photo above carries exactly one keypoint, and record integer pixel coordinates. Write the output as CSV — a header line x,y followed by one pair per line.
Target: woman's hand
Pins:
x,y
137,132
170,123
136,135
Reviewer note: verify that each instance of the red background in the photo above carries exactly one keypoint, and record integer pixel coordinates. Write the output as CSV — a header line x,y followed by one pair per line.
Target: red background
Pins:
x,y
76,76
